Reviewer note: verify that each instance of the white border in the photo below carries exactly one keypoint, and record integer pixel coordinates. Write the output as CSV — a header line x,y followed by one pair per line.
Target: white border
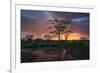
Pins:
x,y
16,66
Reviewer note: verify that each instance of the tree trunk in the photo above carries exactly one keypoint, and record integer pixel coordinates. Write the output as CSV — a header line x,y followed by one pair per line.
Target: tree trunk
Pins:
x,y
59,37
66,36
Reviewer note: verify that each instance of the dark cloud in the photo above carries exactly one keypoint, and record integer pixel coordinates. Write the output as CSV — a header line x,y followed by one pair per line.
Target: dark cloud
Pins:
x,y
69,15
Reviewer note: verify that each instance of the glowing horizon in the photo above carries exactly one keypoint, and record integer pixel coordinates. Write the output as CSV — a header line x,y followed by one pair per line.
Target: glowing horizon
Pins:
x,y
72,36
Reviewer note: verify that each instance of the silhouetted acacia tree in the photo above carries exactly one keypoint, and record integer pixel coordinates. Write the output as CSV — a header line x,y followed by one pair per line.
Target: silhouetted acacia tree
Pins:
x,y
29,37
83,38
47,37
60,27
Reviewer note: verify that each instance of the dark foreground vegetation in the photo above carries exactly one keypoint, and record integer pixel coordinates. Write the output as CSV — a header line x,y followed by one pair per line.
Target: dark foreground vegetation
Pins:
x,y
53,50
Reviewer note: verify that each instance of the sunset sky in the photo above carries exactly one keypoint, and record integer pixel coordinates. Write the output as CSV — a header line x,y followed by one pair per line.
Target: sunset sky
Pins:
x,y
35,23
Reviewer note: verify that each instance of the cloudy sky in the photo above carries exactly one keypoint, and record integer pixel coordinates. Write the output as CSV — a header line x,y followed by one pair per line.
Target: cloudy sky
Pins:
x,y
35,23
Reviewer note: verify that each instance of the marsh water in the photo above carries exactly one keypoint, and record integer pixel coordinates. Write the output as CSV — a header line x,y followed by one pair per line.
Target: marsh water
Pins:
x,y
54,51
